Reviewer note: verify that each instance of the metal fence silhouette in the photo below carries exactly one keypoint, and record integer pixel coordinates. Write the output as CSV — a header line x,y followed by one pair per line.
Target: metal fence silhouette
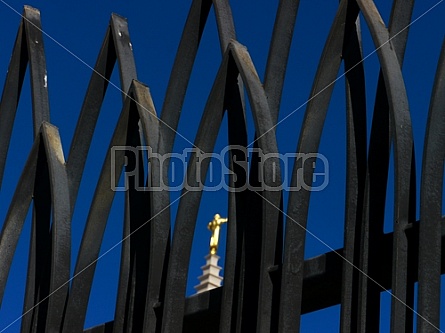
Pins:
x,y
267,283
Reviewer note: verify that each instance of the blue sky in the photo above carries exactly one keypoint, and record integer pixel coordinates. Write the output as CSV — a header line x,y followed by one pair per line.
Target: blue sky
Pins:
x,y
155,30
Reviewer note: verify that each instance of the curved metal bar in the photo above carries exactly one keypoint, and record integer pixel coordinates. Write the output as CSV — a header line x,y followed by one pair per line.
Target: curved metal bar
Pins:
x,y
189,204
159,221
135,263
16,215
430,225
270,182
298,204
279,53
11,95
238,210
60,228
28,47
173,307
159,225
93,233
181,71
97,219
403,155
116,45
49,255
355,176
59,261
226,32
377,174
124,52
39,260
273,85
224,20
185,58
37,66
399,23
173,101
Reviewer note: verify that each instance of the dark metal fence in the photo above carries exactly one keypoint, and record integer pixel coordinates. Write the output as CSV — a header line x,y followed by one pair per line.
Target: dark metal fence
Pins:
x,y
267,283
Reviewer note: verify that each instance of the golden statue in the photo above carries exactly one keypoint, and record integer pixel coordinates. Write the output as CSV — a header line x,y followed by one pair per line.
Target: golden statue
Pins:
x,y
214,226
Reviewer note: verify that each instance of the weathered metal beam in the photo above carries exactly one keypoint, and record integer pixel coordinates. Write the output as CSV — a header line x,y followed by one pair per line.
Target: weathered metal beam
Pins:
x,y
322,282
355,176
28,48
116,46
310,136
100,208
431,196
404,189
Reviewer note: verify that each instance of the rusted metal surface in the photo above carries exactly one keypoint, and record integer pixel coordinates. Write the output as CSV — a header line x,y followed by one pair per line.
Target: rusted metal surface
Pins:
x,y
268,285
